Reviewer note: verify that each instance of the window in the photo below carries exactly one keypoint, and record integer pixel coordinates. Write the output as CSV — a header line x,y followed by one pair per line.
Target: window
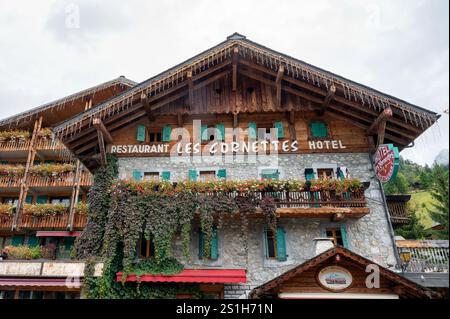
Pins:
x,y
4,242
206,176
269,174
155,137
151,176
146,248
271,244
60,200
336,235
275,244
324,173
318,130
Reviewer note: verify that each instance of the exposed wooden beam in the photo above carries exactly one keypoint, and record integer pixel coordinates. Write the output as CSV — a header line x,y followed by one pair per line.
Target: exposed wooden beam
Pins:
x,y
379,125
191,89
280,75
234,68
382,118
100,127
328,98
101,144
320,91
180,120
235,120
291,124
84,143
146,103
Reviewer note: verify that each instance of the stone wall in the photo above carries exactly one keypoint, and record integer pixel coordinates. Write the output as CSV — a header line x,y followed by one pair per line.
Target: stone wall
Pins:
x,y
368,236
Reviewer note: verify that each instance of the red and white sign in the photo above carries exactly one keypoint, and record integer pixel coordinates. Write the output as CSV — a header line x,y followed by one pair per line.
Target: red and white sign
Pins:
x,y
386,162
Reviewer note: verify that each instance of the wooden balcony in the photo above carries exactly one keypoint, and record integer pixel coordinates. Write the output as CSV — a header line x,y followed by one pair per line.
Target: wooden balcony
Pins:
x,y
24,144
398,209
56,222
39,181
319,204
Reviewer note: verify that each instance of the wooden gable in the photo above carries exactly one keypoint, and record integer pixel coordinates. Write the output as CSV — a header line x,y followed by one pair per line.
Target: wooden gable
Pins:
x,y
241,77
302,281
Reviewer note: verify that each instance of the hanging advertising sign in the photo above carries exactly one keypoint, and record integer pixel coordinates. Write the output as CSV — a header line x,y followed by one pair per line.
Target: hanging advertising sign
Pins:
x,y
387,160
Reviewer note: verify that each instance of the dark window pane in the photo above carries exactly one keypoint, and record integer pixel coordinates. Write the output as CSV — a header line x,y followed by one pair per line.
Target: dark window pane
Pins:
x,y
270,244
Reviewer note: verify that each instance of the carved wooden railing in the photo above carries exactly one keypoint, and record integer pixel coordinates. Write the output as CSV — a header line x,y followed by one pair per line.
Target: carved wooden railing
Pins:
x,y
426,255
29,221
15,145
60,180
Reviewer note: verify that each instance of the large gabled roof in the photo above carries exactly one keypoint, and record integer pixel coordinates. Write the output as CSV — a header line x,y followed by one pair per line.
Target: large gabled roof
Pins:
x,y
270,58
410,288
61,103
354,102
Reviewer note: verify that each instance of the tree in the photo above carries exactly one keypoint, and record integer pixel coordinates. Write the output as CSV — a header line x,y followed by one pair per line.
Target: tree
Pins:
x,y
439,192
399,185
413,230
426,178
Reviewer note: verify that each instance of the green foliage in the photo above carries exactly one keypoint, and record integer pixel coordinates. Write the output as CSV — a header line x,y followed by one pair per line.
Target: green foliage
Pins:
x,y
439,192
399,185
413,230
26,253
90,242
167,266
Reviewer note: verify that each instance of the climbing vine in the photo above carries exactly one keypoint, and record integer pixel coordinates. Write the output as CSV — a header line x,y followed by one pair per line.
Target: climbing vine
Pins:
x,y
120,212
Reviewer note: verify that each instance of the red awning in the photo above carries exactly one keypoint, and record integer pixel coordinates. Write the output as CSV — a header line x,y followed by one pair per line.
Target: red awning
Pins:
x,y
223,276
57,234
36,282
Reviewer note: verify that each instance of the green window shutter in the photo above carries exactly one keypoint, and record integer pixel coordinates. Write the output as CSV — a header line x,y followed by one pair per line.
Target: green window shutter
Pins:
x,y
36,162
41,199
222,173
17,241
252,130
68,243
319,129
192,175
204,132
201,244
221,131
28,199
214,245
33,241
344,236
165,176
137,175
140,134
49,162
167,130
279,129
281,244
309,174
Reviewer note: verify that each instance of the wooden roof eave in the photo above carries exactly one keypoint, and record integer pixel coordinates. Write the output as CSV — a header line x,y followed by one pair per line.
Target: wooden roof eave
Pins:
x,y
274,60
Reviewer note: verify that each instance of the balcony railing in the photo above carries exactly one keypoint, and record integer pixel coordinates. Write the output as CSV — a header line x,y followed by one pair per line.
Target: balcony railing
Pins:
x,y
23,144
59,221
60,180
426,255
398,208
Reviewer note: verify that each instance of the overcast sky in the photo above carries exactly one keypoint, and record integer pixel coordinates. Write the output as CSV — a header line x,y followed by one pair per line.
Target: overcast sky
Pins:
x,y
49,49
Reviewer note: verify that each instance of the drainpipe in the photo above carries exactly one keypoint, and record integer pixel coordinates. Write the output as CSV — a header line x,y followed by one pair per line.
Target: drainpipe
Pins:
x,y
388,216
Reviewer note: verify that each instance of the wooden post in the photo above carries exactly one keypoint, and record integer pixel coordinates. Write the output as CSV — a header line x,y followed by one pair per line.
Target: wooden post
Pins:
x,y
234,69
379,125
191,89
74,197
328,98
278,84
291,123
24,181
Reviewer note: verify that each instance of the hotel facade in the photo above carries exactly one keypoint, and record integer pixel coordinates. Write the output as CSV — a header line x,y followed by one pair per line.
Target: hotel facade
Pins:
x,y
240,115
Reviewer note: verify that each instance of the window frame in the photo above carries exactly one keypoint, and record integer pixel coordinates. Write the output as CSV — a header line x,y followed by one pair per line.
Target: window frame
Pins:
x,y
310,135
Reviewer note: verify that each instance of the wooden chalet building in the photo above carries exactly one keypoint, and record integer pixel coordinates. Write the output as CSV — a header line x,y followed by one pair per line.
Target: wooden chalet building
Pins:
x,y
309,124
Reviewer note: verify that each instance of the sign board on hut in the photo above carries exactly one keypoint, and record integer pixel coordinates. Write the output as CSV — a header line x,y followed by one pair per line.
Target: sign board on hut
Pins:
x,y
387,160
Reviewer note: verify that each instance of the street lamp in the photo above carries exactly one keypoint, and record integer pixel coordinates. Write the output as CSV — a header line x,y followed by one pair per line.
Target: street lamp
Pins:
x,y
405,256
